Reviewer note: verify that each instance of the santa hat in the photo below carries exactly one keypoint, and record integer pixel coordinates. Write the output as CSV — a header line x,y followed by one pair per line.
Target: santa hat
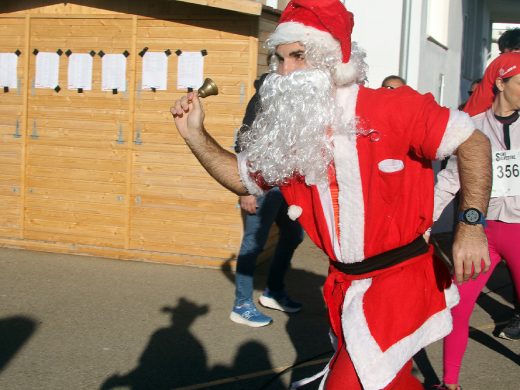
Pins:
x,y
504,66
324,24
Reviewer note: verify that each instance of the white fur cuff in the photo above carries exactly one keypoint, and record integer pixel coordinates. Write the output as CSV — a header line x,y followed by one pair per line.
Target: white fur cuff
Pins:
x,y
249,183
459,128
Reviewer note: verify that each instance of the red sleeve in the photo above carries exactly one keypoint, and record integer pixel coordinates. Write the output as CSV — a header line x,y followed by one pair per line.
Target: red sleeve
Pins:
x,y
427,126
414,120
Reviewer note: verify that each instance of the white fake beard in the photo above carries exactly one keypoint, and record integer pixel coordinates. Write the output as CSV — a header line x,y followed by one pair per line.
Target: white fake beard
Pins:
x,y
289,136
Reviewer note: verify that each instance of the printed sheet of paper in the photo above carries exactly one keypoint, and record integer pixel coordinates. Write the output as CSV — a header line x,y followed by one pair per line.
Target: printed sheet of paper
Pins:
x,y
80,71
8,68
190,72
155,71
47,70
113,72
506,173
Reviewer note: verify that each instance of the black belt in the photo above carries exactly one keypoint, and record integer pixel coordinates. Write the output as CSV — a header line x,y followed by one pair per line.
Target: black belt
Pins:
x,y
384,260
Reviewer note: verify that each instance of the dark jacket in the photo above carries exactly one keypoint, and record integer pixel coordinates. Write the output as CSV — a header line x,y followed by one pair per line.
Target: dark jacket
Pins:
x,y
251,110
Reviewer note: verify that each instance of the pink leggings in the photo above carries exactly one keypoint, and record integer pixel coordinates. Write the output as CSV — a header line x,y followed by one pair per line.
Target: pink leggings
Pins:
x,y
504,243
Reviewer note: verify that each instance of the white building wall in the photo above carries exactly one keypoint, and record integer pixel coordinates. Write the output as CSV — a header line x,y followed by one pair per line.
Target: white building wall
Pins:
x,y
377,29
439,67
416,34
380,29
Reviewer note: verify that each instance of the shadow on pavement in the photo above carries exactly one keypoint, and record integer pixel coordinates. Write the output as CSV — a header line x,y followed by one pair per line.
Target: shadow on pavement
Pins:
x,y
309,329
498,312
175,359
501,283
172,355
14,333
423,364
493,344
250,357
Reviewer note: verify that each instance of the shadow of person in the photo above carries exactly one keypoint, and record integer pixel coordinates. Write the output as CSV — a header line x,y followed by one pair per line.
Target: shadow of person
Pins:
x,y
14,333
423,364
173,356
493,344
251,356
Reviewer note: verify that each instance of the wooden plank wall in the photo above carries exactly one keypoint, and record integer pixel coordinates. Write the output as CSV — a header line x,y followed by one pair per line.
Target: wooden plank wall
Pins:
x,y
107,175
76,171
185,210
12,121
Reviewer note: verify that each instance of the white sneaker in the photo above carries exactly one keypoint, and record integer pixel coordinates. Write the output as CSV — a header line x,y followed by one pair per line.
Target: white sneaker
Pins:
x,y
282,303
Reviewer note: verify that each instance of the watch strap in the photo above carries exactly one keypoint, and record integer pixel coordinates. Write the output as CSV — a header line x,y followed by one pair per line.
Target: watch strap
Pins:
x,y
481,220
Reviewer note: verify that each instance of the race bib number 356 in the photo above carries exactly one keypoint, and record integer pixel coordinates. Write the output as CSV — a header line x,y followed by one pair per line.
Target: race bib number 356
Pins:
x,y
506,173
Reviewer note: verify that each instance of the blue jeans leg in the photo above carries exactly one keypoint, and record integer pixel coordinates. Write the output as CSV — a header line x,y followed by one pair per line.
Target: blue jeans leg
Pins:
x,y
256,231
290,236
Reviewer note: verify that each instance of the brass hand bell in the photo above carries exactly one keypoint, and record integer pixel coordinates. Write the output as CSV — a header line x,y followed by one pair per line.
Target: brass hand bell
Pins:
x,y
209,88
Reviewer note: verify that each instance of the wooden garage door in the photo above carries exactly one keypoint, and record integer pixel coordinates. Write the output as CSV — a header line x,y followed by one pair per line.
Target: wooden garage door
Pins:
x,y
77,149
176,207
12,39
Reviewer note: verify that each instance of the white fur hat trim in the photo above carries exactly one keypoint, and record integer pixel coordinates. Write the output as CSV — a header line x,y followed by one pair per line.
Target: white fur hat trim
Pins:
x,y
290,32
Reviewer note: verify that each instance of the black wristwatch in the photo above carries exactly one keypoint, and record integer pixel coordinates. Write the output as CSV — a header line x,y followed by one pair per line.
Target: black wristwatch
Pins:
x,y
472,216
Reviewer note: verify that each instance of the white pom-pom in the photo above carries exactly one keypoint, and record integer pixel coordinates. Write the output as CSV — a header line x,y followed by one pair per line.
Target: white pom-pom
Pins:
x,y
345,74
294,212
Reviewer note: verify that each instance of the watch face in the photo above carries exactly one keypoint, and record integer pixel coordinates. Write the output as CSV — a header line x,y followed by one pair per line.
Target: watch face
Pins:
x,y
472,216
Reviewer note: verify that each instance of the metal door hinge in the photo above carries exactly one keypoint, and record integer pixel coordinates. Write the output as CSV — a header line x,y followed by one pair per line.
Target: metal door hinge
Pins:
x,y
34,134
17,130
120,139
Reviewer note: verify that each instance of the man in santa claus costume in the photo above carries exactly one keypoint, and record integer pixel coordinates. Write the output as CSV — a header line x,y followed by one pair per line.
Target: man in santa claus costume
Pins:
x,y
354,164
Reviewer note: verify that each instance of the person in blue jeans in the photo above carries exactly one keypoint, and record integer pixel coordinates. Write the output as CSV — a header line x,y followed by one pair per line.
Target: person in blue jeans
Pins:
x,y
259,215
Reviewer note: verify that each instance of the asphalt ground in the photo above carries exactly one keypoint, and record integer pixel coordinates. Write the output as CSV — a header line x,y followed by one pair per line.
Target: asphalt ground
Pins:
x,y
72,322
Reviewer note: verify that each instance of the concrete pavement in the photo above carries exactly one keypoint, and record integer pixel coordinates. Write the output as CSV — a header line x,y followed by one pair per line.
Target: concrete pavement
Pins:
x,y
70,322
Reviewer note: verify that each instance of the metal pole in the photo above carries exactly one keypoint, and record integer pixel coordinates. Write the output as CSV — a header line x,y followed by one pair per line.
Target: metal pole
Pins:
x,y
405,40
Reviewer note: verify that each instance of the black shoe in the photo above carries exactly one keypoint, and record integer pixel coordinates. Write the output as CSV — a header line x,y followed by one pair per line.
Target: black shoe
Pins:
x,y
512,330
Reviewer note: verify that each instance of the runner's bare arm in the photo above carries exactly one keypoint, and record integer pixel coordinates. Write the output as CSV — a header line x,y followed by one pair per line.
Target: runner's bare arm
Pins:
x,y
221,164
470,249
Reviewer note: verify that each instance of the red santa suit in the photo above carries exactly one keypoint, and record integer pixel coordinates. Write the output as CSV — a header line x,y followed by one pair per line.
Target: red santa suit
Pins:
x,y
379,196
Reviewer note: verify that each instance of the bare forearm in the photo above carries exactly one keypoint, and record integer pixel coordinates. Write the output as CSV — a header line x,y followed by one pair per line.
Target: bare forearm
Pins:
x,y
474,162
470,249
188,115
220,163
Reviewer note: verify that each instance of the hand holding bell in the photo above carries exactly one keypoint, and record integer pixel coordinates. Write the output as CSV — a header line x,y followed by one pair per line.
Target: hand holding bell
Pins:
x,y
183,105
